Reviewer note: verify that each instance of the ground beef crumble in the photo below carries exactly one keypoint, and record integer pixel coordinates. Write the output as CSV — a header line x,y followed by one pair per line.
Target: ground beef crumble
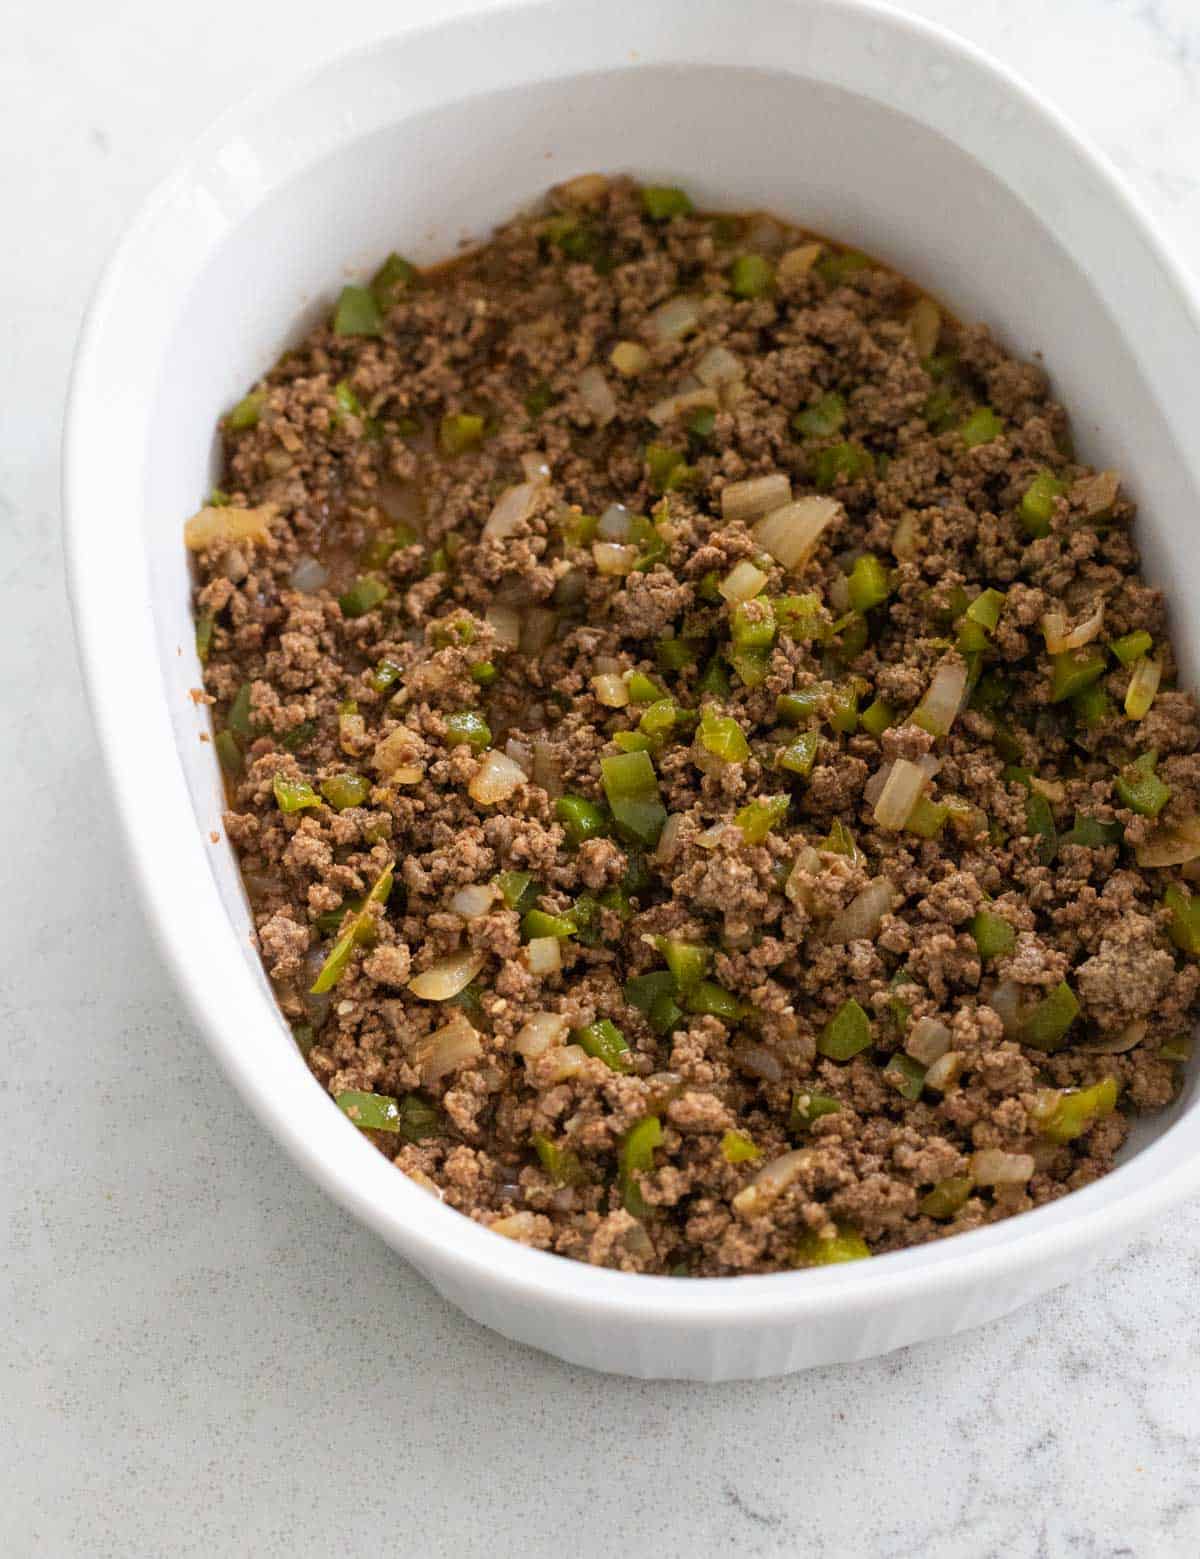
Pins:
x,y
488,525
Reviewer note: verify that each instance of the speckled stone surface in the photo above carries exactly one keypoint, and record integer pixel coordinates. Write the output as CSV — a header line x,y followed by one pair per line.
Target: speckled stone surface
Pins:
x,y
202,1355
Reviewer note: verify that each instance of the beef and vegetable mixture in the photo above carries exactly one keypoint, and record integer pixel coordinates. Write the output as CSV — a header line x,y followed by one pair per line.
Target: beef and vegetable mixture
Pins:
x,y
708,775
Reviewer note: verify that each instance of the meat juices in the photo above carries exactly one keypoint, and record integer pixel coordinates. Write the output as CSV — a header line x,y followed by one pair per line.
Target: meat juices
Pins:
x,y
880,927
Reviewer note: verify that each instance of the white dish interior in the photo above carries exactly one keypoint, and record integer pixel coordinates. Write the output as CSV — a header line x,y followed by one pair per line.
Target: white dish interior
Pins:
x,y
859,124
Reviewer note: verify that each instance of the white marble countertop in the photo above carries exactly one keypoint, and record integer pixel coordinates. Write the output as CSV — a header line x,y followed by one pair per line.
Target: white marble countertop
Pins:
x,y
201,1354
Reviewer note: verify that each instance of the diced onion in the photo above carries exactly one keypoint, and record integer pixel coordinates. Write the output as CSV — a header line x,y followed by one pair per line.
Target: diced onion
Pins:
x,y
399,750
946,1070
407,774
1116,1044
899,794
807,862
615,523
596,394
928,1040
1005,1002
771,1182
1053,790
505,622
796,263
473,900
610,690
522,1225
512,508
1143,685
791,533
521,753
543,955
904,537
536,467
674,319
585,189
943,699
496,778
711,837
759,1061
754,497
538,628
668,841
742,582
446,976
566,1062
1173,844
629,358
839,594
614,559
455,1044
219,527
718,367
308,575
924,326
547,769
873,789
541,1030
992,1166
673,406
861,917
1058,640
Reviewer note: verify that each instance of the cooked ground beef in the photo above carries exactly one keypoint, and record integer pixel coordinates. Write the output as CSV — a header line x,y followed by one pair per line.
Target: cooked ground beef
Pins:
x,y
777,852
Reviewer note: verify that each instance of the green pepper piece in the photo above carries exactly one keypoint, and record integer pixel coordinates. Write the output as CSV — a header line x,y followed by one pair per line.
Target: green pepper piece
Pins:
x,y
994,937
484,673
636,1157
849,460
981,427
1177,1049
985,609
701,424
1140,788
604,1040
797,708
581,819
385,674
643,990
676,654
809,1107
1076,669
363,596
758,817
927,818
821,418
1131,647
723,737
460,432
229,754
357,313
246,413
631,787
660,202
941,408
946,1197
1045,1025
752,625
294,795
846,1034
906,1076
738,1148
468,726
799,616
799,755
751,276
992,691
1037,504
345,790
1039,822
751,665
1074,1112
418,1118
659,717
667,469
539,922
840,841
393,278
846,1245
643,689
1092,706
868,585
1093,833
562,1165
370,1111
517,889
687,961
204,633
843,709
360,930
836,266
634,741
877,717
348,404
1184,929
238,718
712,1000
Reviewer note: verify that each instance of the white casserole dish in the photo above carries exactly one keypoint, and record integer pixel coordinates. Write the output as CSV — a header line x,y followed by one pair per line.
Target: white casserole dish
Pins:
x,y
860,123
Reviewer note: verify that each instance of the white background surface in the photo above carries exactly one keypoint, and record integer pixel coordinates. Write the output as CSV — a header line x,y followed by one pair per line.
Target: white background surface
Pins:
x,y
198,1353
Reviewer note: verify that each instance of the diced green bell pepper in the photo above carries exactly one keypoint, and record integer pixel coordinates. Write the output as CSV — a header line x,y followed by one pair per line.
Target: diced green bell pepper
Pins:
x,y
846,1034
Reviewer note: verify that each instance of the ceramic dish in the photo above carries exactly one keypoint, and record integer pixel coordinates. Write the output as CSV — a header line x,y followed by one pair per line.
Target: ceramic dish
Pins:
x,y
853,120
